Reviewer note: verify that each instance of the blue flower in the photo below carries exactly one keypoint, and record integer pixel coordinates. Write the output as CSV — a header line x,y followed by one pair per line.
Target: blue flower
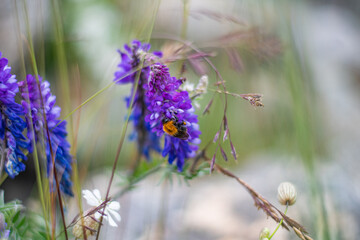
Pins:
x,y
11,123
168,103
130,61
34,116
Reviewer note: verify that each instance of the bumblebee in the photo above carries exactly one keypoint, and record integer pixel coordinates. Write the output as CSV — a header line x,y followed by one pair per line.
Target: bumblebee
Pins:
x,y
175,128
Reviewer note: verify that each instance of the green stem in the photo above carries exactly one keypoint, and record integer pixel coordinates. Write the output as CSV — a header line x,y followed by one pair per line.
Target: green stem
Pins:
x,y
35,154
124,128
98,93
61,57
280,223
86,101
2,161
3,178
184,28
35,69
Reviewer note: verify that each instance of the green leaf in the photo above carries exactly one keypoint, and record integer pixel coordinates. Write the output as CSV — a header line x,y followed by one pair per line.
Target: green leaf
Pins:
x,y
41,235
22,223
15,218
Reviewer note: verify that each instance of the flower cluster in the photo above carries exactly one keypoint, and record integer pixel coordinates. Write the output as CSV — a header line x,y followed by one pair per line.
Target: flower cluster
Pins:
x,y
166,102
34,115
130,61
158,99
12,141
11,124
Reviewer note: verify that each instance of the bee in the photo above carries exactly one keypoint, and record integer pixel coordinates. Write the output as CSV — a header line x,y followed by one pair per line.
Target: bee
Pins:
x,y
175,128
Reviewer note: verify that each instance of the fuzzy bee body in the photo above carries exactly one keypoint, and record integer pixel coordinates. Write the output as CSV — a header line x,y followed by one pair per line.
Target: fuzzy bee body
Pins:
x,y
175,128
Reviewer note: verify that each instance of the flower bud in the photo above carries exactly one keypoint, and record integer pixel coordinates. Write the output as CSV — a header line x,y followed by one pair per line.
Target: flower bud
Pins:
x,y
90,227
264,234
287,194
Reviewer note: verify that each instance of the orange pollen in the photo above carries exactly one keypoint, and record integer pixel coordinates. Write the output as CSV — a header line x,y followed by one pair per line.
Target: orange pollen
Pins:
x,y
170,128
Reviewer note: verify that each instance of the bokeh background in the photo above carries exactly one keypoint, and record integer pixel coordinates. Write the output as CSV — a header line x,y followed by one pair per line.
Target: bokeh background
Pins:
x,y
303,56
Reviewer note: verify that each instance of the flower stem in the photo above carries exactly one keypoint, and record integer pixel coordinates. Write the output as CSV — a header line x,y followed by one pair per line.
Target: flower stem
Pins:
x,y
124,128
2,152
35,153
281,221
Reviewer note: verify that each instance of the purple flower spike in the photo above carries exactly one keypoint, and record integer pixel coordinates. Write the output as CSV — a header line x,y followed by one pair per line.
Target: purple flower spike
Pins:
x,y
11,124
130,60
169,104
158,101
34,114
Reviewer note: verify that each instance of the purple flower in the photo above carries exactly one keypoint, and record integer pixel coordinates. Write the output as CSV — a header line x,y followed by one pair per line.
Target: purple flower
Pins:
x,y
34,115
5,234
11,124
156,100
130,61
169,104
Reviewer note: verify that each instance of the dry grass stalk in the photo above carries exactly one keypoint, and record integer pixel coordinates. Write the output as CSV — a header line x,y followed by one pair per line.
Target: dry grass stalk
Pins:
x,y
267,207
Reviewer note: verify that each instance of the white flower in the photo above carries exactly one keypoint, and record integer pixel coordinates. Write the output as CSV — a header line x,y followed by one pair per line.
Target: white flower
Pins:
x,y
112,207
287,194
202,85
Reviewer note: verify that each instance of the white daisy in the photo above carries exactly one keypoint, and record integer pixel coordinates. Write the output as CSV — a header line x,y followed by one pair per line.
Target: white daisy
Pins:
x,y
112,207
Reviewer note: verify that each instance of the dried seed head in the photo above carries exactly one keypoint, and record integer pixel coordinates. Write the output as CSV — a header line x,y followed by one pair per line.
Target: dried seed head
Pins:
x,y
173,51
299,233
264,234
90,227
308,237
287,193
253,98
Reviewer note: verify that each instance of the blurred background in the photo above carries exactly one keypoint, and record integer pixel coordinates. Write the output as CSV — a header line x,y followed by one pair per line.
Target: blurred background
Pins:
x,y
303,56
